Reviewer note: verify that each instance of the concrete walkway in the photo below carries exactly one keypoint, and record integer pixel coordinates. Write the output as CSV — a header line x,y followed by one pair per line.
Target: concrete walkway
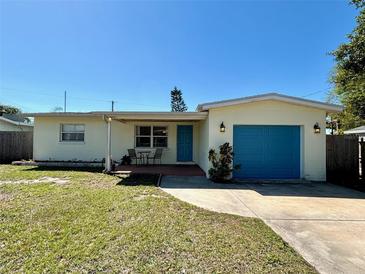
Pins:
x,y
323,222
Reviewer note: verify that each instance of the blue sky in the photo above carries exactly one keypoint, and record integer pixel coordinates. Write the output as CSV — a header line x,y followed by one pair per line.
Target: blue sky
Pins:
x,y
136,52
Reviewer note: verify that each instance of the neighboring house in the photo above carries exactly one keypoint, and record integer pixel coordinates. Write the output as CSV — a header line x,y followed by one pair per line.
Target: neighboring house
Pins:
x,y
359,131
10,122
274,136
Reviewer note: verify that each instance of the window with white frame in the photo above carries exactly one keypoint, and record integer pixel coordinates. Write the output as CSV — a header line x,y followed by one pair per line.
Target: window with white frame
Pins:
x,y
151,136
72,133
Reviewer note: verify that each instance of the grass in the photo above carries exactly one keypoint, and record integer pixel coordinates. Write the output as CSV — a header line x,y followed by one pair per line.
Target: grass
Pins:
x,y
91,224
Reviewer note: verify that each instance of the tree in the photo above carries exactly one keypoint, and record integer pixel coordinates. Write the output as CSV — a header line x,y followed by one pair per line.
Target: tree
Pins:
x,y
57,109
9,109
348,77
13,111
177,101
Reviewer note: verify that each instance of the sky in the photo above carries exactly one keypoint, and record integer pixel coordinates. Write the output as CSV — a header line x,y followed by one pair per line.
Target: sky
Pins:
x,y
135,52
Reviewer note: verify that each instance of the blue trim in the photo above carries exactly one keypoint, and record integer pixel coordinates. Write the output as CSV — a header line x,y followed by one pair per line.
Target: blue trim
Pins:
x,y
184,143
267,152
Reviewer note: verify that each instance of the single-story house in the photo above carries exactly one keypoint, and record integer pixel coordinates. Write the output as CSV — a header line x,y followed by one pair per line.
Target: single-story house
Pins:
x,y
10,122
359,131
273,136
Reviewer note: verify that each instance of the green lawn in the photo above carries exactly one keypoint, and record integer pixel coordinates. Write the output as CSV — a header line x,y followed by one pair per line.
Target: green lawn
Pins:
x,y
91,224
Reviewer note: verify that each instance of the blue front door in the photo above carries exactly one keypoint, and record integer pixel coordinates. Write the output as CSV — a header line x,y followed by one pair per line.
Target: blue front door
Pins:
x,y
184,143
267,152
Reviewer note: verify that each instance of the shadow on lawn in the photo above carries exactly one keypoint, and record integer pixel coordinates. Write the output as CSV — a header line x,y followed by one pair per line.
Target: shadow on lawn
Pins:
x,y
133,179
136,179
60,168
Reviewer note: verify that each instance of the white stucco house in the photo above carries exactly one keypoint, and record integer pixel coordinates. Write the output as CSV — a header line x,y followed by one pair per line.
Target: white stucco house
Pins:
x,y
359,131
273,136
11,123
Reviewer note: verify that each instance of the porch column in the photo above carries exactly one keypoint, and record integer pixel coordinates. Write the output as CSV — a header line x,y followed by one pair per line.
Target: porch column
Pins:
x,y
108,158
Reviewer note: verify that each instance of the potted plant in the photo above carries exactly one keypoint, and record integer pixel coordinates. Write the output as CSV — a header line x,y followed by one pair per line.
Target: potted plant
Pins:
x,y
126,160
221,170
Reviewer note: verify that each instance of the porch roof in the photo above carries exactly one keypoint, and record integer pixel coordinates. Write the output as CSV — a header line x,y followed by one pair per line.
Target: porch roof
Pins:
x,y
153,116
128,115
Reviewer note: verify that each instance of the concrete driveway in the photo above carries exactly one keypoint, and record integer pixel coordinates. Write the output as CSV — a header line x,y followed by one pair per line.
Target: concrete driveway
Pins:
x,y
323,222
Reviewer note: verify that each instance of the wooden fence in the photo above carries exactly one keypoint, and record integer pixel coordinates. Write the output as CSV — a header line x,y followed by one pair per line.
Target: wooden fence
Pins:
x,y
15,145
343,159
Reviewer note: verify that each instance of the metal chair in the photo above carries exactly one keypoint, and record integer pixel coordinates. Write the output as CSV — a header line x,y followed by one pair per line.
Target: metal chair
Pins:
x,y
133,155
157,156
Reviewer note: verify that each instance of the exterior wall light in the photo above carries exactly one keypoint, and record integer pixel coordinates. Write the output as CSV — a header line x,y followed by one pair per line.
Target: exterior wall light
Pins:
x,y
222,128
317,128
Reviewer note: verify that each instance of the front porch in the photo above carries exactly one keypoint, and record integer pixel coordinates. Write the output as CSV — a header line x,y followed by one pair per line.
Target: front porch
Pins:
x,y
140,135
171,170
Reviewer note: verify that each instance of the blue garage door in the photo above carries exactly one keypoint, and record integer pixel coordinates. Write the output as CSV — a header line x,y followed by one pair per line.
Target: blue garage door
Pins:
x,y
267,152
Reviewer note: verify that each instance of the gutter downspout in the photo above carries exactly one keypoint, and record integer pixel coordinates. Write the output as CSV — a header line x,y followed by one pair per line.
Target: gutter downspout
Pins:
x,y
108,157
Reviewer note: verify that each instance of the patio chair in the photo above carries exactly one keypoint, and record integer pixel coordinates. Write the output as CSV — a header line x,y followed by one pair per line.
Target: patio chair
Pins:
x,y
133,155
156,157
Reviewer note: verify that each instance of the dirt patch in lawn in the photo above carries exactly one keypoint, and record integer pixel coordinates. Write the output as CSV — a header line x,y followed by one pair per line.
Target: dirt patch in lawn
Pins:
x,y
5,197
144,196
53,180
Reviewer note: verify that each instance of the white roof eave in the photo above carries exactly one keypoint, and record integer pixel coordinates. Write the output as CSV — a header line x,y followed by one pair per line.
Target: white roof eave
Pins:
x,y
271,96
15,122
127,115
359,130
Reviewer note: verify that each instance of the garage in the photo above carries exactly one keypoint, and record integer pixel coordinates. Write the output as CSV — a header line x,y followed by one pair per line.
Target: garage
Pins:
x,y
266,151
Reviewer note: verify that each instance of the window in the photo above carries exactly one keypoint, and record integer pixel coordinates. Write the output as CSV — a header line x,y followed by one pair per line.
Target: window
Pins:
x,y
72,133
143,136
159,136
151,136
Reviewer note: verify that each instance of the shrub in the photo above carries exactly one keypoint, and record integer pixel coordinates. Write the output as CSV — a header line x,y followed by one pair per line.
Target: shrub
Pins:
x,y
126,160
221,169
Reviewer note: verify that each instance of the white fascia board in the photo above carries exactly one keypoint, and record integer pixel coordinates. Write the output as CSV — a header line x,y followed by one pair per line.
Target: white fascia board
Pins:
x,y
352,131
272,96
127,115
171,116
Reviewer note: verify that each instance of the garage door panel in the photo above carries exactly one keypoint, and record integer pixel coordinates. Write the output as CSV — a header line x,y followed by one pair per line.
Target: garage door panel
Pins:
x,y
268,152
